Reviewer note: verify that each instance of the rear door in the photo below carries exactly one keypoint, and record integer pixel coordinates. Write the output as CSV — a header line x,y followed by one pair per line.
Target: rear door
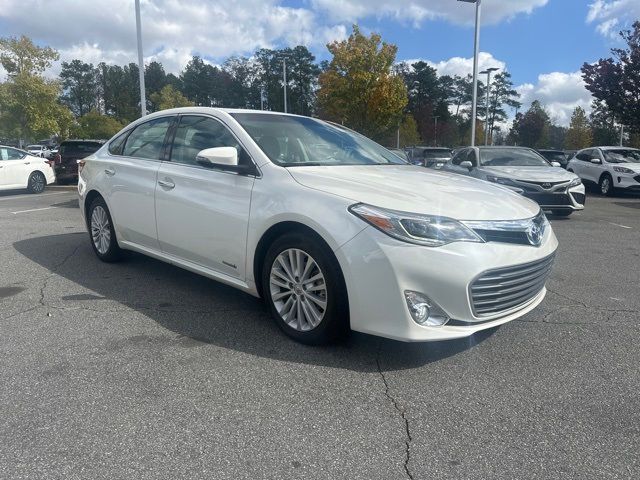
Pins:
x,y
129,174
202,213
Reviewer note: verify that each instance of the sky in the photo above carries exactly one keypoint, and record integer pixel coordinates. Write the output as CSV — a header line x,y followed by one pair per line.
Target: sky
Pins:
x,y
542,43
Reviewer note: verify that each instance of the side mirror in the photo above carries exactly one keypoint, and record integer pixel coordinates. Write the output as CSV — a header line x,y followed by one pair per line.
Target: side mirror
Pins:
x,y
596,161
466,164
222,158
556,164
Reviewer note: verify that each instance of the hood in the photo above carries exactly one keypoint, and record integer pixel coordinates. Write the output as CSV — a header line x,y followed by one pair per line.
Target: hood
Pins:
x,y
531,174
418,190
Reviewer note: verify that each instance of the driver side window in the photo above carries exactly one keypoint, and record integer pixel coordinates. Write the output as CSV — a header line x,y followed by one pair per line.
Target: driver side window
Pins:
x,y
460,157
196,133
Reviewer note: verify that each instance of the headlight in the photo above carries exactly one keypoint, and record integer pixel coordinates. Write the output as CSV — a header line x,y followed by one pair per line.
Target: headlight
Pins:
x,y
428,230
575,182
623,170
500,180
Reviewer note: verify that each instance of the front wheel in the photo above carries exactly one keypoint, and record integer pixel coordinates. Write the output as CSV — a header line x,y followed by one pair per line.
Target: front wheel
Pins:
x,y
305,290
606,185
36,183
103,236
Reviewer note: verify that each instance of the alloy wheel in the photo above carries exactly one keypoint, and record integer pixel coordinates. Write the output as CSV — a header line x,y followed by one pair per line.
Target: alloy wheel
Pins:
x,y
37,183
605,185
298,289
100,230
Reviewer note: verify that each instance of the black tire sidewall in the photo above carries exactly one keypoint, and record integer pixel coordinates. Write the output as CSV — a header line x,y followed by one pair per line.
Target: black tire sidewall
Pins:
x,y
611,187
114,253
335,322
29,183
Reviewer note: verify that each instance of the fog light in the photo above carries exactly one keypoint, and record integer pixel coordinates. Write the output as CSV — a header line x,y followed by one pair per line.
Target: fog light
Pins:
x,y
424,311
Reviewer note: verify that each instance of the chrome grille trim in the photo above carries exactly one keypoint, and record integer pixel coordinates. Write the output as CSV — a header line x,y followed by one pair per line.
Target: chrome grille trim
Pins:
x,y
508,288
509,231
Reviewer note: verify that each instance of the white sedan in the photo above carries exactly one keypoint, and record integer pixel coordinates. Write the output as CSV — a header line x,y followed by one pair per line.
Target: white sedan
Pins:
x,y
19,169
331,229
38,150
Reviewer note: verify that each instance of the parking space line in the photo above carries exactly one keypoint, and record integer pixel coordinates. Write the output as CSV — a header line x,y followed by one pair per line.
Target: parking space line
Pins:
x,y
621,226
33,210
30,195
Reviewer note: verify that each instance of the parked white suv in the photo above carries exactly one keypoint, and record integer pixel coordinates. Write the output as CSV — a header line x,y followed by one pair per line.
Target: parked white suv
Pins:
x,y
19,169
612,168
331,229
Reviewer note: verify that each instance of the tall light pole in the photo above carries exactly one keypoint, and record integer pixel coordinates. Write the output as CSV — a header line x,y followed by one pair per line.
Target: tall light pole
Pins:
x,y
435,130
476,51
284,76
143,97
486,120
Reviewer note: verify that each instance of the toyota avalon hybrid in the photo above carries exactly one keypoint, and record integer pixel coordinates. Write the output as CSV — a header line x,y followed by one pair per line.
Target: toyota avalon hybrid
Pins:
x,y
332,230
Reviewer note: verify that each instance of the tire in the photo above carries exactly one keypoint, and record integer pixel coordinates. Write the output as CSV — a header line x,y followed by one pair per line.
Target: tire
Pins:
x,y
562,213
313,312
606,185
37,182
101,232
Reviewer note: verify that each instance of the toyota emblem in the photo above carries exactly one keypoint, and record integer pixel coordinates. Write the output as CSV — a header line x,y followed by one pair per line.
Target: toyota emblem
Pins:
x,y
546,185
535,233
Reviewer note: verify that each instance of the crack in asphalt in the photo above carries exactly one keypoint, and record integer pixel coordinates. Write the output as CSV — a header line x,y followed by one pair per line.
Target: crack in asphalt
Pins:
x,y
592,307
53,272
401,411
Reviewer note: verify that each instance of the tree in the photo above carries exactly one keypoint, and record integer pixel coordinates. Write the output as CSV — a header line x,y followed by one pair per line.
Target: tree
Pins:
x,y
80,86
579,135
502,95
96,126
359,88
22,56
29,107
169,97
615,81
120,87
155,79
603,125
532,128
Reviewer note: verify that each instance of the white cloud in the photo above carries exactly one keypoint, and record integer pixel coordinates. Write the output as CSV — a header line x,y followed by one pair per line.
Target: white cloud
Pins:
x,y
559,92
416,11
611,16
464,66
173,30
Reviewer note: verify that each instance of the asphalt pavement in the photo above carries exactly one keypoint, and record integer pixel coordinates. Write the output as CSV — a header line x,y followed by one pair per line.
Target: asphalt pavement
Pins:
x,y
141,370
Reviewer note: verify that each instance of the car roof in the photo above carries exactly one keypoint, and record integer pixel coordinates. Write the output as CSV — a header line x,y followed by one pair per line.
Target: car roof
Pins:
x,y
618,147
82,140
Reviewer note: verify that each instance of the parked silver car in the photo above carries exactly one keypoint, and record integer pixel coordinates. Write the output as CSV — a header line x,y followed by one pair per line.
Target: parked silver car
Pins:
x,y
525,170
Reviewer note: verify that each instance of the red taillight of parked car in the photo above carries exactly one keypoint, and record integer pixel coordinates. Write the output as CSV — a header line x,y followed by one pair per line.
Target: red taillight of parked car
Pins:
x,y
51,163
57,159
80,165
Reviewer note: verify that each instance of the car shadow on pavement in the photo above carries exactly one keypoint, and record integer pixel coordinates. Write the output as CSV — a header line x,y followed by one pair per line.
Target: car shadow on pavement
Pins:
x,y
201,311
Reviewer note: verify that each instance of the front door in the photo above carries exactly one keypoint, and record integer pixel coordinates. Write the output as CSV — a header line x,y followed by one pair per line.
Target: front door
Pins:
x,y
13,168
203,213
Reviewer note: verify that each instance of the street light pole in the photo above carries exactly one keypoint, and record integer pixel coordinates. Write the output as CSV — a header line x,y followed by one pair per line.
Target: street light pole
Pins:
x,y
486,120
435,131
476,51
284,75
143,97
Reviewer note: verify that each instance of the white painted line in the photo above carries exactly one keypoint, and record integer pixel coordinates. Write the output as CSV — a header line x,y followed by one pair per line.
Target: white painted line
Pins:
x,y
35,197
33,210
621,226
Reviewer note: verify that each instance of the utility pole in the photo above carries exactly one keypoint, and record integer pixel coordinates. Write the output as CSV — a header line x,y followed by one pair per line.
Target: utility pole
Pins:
x,y
143,97
284,75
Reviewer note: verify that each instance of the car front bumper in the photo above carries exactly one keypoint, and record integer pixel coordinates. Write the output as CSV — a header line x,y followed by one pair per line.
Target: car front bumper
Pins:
x,y
627,181
570,199
379,269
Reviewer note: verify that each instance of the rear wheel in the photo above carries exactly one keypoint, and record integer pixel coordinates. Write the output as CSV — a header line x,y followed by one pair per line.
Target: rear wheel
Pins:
x,y
304,288
606,185
37,182
103,236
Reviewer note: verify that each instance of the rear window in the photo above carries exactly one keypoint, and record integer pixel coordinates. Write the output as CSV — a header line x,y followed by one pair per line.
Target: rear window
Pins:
x,y
437,153
79,148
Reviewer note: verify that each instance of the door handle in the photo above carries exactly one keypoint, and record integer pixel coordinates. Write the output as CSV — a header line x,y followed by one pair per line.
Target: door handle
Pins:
x,y
110,171
168,184
27,163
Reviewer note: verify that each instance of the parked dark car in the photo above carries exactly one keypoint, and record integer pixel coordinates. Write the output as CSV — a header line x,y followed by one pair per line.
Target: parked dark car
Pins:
x,y
431,157
69,152
555,156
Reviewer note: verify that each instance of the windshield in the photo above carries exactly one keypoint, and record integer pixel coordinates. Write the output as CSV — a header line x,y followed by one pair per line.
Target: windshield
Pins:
x,y
301,141
437,154
622,156
79,148
511,157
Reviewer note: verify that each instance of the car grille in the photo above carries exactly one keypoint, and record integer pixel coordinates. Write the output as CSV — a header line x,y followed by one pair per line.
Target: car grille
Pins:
x,y
545,185
550,199
637,178
504,236
503,289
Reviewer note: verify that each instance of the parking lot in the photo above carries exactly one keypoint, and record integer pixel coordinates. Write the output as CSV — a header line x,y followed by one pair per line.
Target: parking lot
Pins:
x,y
142,370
